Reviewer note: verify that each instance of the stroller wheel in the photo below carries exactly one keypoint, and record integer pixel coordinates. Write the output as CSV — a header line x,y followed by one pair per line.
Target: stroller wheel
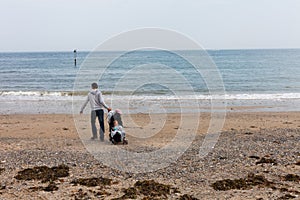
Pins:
x,y
125,142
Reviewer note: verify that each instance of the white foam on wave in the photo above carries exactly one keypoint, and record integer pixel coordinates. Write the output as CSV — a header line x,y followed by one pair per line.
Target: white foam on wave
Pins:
x,y
216,97
33,93
40,95
57,102
34,96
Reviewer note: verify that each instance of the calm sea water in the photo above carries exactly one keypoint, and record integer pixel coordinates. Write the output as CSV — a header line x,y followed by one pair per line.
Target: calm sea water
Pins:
x,y
246,74
243,71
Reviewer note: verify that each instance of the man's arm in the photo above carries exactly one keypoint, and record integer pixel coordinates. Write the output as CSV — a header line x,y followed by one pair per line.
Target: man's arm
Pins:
x,y
101,101
84,105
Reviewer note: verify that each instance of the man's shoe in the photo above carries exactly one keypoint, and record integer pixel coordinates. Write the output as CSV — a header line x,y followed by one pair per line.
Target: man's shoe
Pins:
x,y
93,138
101,140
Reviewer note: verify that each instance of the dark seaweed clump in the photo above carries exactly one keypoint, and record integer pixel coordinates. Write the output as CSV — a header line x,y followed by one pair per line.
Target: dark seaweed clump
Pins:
x,y
242,183
292,177
149,189
152,188
130,193
51,187
287,196
92,182
2,170
255,157
187,197
43,173
81,195
267,160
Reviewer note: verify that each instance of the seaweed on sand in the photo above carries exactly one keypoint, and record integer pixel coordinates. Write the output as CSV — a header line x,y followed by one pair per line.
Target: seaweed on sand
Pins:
x,y
43,173
187,197
292,177
242,183
287,196
149,189
49,188
92,182
130,193
152,188
267,160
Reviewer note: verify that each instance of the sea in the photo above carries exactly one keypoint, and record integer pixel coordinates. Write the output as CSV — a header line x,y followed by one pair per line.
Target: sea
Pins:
x,y
152,80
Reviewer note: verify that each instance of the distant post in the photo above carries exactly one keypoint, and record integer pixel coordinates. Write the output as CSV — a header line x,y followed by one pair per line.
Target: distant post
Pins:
x,y
75,57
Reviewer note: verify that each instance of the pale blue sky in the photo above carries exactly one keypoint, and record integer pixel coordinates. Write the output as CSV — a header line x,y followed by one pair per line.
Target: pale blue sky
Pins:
x,y
50,25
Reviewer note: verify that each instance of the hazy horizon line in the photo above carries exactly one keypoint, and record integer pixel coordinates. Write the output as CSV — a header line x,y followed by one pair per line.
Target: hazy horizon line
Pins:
x,y
85,50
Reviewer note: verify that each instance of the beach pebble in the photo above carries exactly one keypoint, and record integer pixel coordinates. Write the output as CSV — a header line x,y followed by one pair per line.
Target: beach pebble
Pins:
x,y
2,187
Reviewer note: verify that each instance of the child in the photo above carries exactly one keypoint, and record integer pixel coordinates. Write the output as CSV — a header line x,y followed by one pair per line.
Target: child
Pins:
x,y
112,116
118,134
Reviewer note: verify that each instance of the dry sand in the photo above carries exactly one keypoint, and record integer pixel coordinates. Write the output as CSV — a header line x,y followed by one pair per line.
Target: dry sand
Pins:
x,y
27,141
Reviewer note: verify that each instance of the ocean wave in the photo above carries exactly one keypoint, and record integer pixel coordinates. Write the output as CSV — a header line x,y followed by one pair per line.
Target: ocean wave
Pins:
x,y
33,93
54,93
126,95
257,96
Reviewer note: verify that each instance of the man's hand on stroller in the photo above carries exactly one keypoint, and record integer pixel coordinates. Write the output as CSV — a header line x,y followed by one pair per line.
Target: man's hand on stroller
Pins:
x,y
108,109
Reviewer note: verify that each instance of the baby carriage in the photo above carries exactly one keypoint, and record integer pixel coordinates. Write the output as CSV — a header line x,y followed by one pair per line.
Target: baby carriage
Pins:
x,y
116,132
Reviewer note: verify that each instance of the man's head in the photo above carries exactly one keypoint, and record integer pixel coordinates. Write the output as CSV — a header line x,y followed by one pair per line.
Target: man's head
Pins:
x,y
94,86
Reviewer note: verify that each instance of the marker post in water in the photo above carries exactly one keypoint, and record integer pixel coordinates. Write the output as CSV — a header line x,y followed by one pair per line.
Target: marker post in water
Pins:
x,y
75,57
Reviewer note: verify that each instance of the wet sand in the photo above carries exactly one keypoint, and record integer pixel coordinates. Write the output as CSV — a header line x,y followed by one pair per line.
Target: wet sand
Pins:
x,y
263,147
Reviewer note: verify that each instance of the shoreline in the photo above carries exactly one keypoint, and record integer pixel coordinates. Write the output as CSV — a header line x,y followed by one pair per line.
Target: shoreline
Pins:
x,y
17,106
54,103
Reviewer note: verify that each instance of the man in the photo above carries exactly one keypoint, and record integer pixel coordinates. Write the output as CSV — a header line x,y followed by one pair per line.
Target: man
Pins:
x,y
97,105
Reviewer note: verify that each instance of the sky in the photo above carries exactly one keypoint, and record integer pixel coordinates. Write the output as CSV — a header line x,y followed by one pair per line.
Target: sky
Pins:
x,y
64,25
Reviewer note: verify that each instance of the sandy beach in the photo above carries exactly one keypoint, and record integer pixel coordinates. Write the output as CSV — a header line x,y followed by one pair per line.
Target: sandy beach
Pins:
x,y
257,156
205,93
